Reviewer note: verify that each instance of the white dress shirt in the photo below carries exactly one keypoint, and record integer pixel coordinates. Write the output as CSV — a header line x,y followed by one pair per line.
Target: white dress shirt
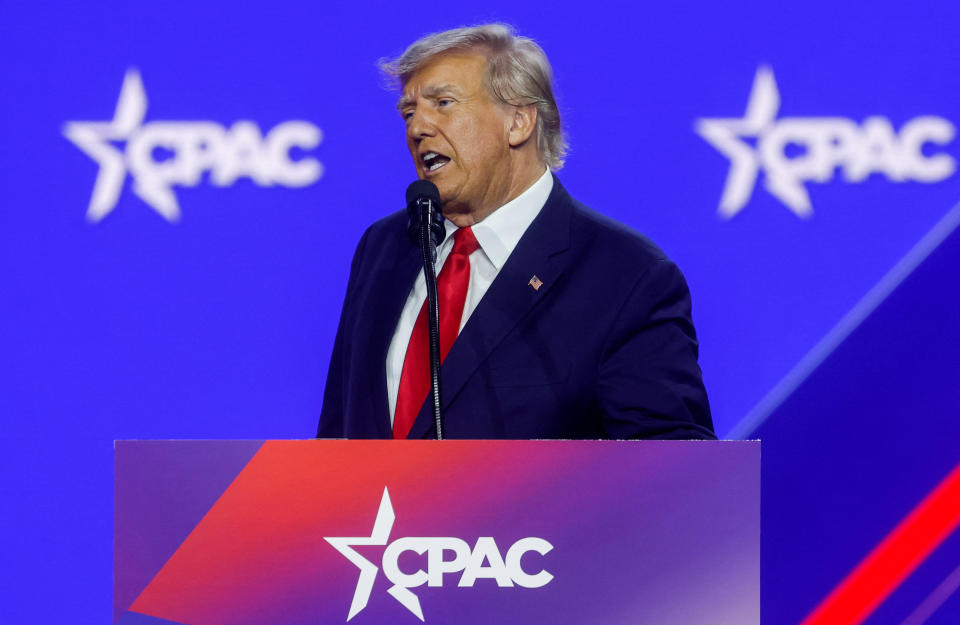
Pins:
x,y
497,234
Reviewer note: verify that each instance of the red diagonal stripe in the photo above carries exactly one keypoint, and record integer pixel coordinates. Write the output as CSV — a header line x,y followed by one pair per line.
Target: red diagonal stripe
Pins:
x,y
898,555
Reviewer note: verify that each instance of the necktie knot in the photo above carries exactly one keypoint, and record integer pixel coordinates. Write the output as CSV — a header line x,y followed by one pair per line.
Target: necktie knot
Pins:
x,y
464,242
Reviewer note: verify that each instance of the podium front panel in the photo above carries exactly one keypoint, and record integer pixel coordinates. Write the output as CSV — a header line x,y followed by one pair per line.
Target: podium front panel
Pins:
x,y
442,532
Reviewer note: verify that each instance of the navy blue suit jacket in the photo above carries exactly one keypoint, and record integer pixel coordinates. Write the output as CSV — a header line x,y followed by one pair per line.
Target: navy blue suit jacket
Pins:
x,y
604,349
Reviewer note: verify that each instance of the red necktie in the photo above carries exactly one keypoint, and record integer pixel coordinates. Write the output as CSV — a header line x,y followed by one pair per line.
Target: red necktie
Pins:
x,y
452,286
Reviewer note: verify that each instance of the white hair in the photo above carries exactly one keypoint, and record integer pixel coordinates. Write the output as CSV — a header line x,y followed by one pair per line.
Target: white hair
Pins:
x,y
518,74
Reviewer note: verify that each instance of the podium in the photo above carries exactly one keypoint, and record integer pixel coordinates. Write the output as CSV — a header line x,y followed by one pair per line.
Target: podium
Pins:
x,y
313,532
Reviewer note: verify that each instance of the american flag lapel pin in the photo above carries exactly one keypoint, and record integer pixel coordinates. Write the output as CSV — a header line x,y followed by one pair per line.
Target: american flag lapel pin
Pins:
x,y
535,282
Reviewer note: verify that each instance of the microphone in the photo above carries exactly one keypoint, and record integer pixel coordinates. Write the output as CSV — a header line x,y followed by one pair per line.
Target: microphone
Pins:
x,y
424,194
425,227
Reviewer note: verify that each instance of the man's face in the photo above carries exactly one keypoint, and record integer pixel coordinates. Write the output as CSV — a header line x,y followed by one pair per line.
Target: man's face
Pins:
x,y
458,134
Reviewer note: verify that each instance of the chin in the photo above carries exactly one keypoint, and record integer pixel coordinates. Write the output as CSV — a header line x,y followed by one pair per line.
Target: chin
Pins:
x,y
446,196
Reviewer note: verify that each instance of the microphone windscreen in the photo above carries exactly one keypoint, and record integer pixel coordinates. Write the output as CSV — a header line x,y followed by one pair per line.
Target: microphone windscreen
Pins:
x,y
423,189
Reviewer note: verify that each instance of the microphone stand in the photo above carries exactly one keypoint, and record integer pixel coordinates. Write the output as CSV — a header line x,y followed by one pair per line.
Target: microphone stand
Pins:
x,y
428,249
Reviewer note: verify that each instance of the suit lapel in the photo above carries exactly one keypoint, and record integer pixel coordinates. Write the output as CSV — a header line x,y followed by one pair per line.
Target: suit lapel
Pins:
x,y
392,285
508,300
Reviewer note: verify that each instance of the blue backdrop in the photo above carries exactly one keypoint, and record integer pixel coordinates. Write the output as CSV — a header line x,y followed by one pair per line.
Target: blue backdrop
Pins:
x,y
184,184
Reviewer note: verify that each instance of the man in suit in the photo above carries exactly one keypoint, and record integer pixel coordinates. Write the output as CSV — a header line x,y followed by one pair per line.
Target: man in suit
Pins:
x,y
555,321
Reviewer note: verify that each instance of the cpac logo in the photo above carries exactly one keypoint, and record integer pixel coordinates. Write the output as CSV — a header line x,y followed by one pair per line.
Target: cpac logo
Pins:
x,y
197,147
825,144
507,571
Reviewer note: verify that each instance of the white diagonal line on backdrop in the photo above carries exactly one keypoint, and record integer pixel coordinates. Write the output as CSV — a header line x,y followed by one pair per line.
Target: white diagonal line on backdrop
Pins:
x,y
935,599
847,324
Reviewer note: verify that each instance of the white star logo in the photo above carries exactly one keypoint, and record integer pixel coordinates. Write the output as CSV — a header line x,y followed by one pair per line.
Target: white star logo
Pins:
x,y
793,151
94,139
194,148
727,134
368,571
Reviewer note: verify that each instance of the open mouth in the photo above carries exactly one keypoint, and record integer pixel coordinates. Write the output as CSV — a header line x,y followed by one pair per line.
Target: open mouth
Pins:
x,y
433,161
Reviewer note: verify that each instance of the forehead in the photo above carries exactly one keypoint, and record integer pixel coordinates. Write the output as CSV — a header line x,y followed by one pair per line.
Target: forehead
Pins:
x,y
464,71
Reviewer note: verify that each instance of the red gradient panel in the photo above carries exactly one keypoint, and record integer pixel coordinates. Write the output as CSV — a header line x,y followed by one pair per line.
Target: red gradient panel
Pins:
x,y
898,555
260,550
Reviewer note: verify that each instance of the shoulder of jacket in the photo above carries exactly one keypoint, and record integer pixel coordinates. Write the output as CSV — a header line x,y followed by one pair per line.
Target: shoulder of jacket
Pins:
x,y
603,233
388,224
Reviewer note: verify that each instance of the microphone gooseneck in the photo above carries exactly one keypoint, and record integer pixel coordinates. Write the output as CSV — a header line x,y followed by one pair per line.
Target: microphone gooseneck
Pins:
x,y
425,228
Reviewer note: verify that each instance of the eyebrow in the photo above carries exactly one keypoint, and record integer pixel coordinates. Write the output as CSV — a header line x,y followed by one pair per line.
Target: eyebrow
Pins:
x,y
430,92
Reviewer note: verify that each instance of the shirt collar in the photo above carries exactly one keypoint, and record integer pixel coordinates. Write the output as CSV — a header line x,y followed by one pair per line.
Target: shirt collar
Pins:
x,y
499,233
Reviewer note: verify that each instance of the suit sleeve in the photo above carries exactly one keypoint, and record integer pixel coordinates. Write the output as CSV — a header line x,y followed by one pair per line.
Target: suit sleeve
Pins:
x,y
649,382
332,412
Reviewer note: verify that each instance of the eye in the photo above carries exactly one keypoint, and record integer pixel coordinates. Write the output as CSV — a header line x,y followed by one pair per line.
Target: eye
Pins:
x,y
442,102
407,115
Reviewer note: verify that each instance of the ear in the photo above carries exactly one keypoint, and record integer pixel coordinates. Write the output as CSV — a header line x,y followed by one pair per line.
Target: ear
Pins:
x,y
522,125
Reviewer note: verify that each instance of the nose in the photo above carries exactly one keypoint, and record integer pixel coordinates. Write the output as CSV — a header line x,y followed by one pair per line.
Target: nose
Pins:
x,y
421,125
